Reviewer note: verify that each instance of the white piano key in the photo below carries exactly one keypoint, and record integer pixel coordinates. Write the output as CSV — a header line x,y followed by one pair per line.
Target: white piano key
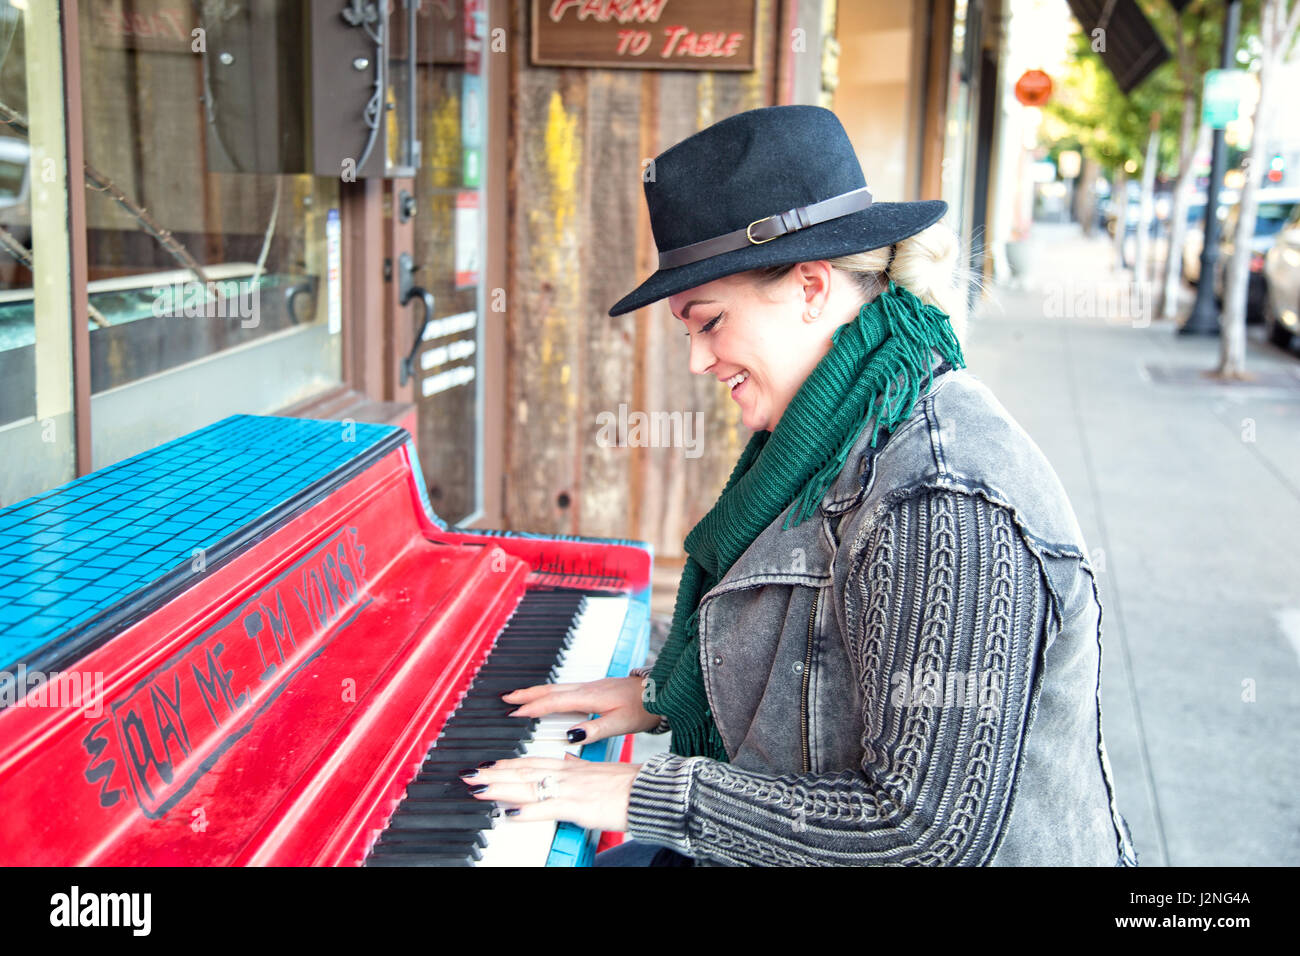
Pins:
x,y
528,842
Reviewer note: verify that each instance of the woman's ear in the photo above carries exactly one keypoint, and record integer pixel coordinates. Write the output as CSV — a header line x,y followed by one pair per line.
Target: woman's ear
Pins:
x,y
815,288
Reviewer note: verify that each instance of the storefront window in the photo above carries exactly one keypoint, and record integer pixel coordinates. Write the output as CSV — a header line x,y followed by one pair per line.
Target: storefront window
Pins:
x,y
208,240
448,247
37,437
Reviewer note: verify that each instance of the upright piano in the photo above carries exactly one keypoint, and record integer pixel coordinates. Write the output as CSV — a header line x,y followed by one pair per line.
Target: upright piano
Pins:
x,y
258,645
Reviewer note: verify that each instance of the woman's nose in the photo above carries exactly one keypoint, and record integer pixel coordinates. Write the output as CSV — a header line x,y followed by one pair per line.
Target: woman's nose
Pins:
x,y
702,358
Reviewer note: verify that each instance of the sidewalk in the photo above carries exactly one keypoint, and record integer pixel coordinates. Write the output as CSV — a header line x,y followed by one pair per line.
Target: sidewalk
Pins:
x,y
1189,499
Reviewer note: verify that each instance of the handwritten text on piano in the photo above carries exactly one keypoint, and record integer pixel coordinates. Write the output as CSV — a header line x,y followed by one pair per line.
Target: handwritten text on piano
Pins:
x,y
172,727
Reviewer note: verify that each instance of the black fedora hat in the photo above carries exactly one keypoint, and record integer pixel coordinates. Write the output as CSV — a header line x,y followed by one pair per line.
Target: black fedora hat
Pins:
x,y
766,187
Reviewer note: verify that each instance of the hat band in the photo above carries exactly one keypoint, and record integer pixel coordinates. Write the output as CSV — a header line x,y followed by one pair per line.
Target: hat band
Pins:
x,y
768,228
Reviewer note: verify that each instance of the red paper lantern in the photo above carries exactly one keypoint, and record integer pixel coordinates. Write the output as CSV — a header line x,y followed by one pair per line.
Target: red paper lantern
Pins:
x,y
1034,88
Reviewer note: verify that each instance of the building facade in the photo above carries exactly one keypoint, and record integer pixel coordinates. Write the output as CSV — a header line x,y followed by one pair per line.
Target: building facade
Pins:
x,y
248,207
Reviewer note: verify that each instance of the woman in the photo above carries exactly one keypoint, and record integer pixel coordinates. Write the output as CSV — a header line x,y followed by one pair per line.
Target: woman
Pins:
x,y
886,643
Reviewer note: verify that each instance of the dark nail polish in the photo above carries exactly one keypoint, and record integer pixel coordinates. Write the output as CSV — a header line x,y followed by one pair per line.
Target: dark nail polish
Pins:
x,y
513,812
478,788
577,736
467,773
487,763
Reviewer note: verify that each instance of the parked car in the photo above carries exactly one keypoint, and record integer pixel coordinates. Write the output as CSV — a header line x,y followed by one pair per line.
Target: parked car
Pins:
x,y
1273,210
1282,283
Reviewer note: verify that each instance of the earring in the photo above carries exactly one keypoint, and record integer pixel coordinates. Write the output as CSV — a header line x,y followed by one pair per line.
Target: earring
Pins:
x,y
814,312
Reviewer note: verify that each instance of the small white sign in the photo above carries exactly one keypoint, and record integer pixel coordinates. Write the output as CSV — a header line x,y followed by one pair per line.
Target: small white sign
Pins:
x,y
459,375
334,270
451,352
467,239
449,325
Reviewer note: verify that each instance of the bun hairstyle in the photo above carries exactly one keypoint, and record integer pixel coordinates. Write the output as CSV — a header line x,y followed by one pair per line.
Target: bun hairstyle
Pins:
x,y
925,264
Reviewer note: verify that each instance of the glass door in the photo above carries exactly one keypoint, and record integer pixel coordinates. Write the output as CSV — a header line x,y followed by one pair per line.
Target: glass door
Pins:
x,y
448,241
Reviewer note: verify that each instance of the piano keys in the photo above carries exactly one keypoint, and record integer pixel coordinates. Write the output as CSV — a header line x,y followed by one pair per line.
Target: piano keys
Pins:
x,y
254,644
553,637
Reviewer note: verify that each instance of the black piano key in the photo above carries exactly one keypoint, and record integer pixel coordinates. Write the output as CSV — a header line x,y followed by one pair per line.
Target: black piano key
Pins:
x,y
449,859
465,799
486,702
444,818
503,684
473,753
486,730
493,707
463,752
470,837
442,774
426,791
426,848
446,764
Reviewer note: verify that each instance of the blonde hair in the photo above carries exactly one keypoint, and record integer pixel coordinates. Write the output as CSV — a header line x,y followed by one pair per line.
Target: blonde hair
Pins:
x,y
926,264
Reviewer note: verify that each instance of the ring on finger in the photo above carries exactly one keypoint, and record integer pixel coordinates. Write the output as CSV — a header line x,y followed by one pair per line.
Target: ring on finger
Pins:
x,y
545,788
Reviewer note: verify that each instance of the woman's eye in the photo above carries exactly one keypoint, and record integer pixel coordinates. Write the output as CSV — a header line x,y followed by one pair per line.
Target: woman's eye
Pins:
x,y
708,326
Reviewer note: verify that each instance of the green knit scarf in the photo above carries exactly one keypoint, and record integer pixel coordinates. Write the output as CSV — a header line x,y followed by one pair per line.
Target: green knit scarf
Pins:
x,y
874,371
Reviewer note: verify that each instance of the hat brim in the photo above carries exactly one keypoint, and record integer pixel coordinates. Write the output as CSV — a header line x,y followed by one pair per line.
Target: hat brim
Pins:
x,y
880,224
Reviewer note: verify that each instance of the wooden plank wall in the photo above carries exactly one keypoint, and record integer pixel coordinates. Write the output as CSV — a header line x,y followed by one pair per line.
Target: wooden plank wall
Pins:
x,y
579,240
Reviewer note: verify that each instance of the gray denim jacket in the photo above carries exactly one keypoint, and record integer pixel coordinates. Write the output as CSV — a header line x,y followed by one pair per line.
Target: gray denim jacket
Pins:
x,y
786,646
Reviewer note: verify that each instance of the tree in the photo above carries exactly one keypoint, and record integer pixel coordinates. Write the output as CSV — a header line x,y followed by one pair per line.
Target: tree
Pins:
x,y
1114,129
1279,20
1115,126
1197,37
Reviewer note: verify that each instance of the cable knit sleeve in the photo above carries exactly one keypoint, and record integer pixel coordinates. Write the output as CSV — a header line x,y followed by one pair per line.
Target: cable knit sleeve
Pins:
x,y
945,610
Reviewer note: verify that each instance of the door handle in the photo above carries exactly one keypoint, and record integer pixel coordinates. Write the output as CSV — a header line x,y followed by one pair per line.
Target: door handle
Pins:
x,y
426,297
407,291
290,296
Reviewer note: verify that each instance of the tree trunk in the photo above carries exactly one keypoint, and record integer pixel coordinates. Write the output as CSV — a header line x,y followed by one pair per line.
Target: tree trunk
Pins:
x,y
1119,202
1187,153
1087,189
1232,340
1146,209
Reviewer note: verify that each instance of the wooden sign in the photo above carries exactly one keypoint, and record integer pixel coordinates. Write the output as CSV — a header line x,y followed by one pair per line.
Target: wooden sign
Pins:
x,y
1033,88
165,25
645,34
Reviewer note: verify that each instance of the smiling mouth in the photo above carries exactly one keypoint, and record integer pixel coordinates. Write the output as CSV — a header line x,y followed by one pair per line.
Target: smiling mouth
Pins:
x,y
737,380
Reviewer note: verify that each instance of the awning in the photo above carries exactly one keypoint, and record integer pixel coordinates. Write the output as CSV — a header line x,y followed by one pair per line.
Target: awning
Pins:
x,y
1132,47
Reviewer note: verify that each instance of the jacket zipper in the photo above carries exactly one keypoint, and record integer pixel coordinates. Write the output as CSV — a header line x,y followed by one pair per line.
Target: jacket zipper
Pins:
x,y
807,671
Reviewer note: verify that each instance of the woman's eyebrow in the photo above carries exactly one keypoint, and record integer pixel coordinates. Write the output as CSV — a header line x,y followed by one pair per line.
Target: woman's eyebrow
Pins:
x,y
686,310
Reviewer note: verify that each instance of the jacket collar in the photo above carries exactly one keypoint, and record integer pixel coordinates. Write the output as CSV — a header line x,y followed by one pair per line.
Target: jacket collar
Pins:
x,y
848,486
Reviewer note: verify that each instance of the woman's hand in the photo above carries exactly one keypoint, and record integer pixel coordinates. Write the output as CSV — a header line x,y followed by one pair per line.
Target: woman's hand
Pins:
x,y
616,699
593,794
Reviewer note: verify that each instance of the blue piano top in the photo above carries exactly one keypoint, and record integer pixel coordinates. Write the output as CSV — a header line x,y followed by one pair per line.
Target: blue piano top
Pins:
x,y
70,554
